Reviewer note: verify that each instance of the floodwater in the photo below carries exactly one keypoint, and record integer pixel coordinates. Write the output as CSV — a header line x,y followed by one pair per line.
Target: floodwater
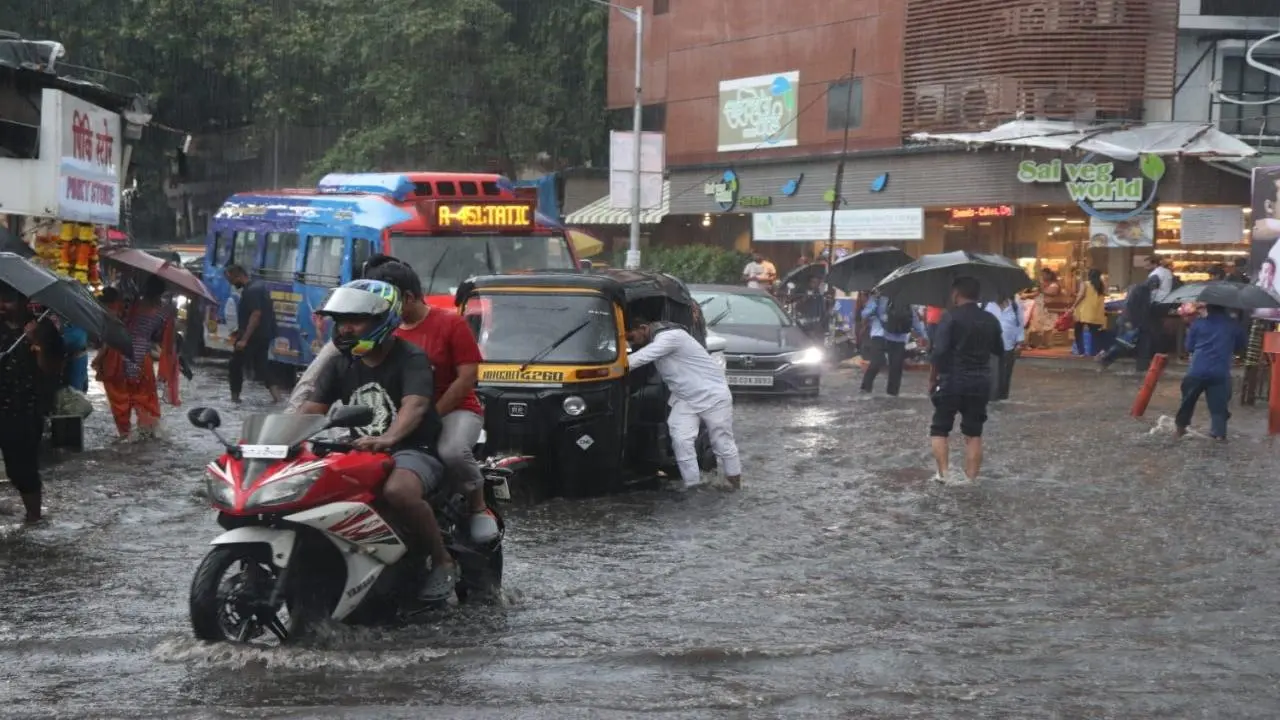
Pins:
x,y
1100,570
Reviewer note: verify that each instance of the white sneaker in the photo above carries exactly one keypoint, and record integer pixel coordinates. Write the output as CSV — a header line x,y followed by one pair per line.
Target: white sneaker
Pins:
x,y
484,527
940,478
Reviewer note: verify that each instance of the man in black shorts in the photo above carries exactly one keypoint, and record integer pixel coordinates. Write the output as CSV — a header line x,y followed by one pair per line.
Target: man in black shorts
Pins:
x,y
966,338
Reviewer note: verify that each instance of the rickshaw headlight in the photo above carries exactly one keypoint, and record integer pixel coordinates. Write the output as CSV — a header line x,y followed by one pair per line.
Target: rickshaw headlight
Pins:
x,y
574,406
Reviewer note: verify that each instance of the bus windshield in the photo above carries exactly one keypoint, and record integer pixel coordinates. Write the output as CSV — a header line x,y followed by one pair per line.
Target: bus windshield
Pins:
x,y
516,328
443,262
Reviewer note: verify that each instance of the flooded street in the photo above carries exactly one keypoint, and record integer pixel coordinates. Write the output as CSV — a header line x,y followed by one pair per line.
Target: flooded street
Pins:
x,y
1099,571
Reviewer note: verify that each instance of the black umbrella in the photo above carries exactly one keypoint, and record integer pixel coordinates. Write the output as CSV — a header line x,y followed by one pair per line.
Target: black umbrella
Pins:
x,y
861,271
799,277
67,298
11,244
1222,292
927,281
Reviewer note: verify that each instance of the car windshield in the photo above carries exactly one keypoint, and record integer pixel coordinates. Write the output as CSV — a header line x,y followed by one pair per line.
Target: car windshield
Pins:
x,y
746,309
280,429
515,327
456,258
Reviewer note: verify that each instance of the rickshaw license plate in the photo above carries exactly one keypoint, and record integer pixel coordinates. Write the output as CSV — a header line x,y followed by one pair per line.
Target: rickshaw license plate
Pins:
x,y
750,380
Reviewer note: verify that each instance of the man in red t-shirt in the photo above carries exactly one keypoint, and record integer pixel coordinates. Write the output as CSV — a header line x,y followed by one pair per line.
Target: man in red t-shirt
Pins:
x,y
455,360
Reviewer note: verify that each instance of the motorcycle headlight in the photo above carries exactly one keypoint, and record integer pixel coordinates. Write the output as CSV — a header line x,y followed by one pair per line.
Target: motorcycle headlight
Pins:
x,y
218,490
574,406
279,492
812,356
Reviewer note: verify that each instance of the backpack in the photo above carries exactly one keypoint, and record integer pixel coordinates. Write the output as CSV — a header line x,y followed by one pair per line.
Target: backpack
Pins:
x,y
898,319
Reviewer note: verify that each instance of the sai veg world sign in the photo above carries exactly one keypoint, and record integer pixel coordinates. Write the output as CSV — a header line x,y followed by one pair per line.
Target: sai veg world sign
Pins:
x,y
1095,186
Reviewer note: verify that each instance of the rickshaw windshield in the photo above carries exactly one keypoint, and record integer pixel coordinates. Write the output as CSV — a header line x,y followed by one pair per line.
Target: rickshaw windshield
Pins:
x,y
515,327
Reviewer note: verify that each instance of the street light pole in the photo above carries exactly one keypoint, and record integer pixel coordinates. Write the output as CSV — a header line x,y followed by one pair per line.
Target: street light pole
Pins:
x,y
633,254
635,15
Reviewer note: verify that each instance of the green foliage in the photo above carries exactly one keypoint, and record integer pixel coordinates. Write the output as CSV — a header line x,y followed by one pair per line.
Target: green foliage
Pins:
x,y
697,263
398,84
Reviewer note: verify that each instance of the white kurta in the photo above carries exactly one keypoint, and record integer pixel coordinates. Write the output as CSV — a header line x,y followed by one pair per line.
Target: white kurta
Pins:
x,y
699,394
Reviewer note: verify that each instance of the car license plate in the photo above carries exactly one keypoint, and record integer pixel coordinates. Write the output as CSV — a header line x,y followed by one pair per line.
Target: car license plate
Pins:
x,y
264,452
750,380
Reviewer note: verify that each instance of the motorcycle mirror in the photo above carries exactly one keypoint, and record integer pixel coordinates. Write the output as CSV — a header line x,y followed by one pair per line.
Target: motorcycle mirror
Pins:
x,y
350,416
204,418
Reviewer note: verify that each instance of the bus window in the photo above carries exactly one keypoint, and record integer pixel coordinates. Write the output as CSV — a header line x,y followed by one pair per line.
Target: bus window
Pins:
x,y
361,249
445,188
244,252
281,256
324,260
221,249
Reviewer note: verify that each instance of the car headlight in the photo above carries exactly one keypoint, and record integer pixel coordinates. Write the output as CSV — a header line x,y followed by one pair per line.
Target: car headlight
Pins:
x,y
812,356
719,358
181,301
219,491
574,406
278,492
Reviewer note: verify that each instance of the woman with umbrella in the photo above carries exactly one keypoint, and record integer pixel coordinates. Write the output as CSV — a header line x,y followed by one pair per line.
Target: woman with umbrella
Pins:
x,y
30,364
130,379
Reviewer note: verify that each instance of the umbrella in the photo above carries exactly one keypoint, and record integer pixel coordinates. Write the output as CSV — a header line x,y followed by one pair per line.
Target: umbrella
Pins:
x,y
584,243
861,271
927,281
11,244
67,298
175,276
799,276
1222,292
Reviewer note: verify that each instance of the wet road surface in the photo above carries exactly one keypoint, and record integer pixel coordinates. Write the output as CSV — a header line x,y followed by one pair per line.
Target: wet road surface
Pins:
x,y
1100,570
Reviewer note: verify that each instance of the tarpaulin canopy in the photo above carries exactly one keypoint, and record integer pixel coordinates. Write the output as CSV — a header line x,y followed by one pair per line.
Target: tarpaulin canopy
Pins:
x,y
1114,141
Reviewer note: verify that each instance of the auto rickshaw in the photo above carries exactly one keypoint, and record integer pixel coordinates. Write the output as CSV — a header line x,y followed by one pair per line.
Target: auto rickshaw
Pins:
x,y
564,413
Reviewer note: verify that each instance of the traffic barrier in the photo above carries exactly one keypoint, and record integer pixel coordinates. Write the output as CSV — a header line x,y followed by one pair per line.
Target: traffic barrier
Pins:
x,y
1141,402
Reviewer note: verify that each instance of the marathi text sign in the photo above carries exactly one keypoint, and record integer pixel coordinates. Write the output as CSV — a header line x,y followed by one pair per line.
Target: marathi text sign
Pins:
x,y
864,225
759,112
89,162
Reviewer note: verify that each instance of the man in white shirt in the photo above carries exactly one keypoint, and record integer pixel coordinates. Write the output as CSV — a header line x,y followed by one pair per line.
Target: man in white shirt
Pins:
x,y
759,273
1163,274
699,393
1013,334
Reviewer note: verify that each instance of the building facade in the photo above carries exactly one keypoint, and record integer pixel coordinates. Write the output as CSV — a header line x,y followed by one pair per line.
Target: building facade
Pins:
x,y
755,101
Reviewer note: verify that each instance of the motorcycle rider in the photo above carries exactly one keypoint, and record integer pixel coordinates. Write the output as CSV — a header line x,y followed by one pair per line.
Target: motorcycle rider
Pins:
x,y
394,378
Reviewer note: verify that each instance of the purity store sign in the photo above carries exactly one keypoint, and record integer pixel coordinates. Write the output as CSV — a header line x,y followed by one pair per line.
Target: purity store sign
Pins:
x,y
1097,187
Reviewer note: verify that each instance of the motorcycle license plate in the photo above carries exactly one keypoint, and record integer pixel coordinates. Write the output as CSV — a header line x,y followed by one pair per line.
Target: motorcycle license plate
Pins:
x,y
264,452
482,437
502,491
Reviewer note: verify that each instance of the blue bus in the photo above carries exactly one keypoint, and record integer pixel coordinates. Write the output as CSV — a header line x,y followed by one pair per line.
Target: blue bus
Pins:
x,y
303,243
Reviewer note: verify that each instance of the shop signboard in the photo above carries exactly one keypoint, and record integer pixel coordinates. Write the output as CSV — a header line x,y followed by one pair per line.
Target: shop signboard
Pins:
x,y
1212,225
1265,234
622,168
891,224
89,162
1098,188
1137,231
758,112
724,192
985,212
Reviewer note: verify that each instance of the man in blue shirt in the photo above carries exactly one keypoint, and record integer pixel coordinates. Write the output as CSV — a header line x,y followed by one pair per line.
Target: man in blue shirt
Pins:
x,y
1013,335
1212,341
890,329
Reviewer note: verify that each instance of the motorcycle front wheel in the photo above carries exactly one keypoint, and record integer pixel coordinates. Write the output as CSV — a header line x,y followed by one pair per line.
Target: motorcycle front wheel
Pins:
x,y
230,598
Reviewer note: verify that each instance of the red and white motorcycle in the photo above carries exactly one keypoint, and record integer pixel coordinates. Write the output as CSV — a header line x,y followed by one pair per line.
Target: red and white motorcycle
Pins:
x,y
308,538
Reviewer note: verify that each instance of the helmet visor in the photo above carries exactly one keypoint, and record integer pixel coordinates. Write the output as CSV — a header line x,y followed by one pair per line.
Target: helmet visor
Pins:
x,y
353,301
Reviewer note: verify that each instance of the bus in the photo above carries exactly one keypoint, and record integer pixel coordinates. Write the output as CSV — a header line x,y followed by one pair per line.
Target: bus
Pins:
x,y
305,242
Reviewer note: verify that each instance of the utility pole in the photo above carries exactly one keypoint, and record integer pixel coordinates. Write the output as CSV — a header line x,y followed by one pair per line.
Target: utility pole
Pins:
x,y
844,154
633,253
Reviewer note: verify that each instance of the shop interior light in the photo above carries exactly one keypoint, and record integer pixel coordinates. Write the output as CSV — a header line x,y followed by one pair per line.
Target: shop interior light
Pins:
x,y
1057,228
706,220
1170,209
1075,222
1057,219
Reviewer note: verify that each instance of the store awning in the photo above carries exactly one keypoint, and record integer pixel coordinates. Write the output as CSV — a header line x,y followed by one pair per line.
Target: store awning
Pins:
x,y
601,213
1120,142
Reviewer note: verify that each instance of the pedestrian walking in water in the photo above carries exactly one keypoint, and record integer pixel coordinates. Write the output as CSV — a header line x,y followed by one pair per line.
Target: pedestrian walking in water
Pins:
x,y
1013,334
891,327
130,381
256,329
30,365
966,338
1212,341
